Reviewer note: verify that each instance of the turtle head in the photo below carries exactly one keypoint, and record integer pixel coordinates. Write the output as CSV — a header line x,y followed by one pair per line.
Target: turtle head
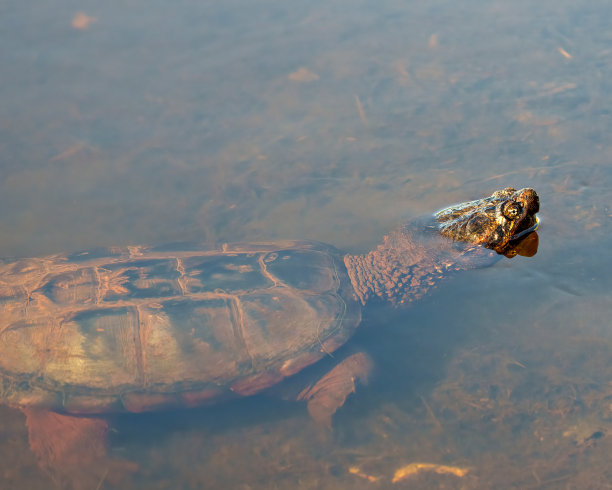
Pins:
x,y
496,222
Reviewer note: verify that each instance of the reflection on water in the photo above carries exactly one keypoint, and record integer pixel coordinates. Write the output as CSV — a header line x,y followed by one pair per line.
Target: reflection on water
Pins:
x,y
144,123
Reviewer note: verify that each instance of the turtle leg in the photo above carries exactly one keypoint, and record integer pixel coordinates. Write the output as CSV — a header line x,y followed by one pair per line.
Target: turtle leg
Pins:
x,y
329,393
73,449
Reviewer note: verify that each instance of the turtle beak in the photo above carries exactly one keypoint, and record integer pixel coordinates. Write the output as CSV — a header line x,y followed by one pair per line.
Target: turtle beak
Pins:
x,y
526,231
531,206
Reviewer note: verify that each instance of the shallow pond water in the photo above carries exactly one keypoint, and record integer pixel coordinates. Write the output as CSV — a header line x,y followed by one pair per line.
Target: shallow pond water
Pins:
x,y
336,121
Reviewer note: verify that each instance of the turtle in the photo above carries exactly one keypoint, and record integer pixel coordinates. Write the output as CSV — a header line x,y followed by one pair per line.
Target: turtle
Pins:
x,y
142,328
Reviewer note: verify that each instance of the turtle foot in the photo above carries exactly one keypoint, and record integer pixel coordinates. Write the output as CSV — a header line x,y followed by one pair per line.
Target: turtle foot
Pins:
x,y
329,393
73,449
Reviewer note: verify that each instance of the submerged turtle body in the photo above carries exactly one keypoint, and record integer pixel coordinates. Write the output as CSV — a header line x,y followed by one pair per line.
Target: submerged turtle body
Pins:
x,y
139,329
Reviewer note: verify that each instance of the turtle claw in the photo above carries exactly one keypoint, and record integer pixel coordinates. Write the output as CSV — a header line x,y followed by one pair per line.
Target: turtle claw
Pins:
x,y
329,393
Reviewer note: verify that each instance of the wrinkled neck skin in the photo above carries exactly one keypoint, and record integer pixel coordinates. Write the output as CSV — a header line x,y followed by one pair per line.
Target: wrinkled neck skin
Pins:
x,y
409,263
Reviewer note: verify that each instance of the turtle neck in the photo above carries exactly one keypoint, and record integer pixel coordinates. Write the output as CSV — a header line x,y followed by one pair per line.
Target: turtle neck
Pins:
x,y
402,268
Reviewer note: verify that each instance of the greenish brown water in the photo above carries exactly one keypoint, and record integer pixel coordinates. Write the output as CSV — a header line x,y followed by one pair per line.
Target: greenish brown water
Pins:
x,y
234,121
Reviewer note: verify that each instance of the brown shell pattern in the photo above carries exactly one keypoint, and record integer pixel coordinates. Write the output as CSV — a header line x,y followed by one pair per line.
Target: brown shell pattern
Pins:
x,y
139,329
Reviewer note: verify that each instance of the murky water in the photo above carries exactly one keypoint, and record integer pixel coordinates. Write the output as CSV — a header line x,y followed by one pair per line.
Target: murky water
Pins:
x,y
150,122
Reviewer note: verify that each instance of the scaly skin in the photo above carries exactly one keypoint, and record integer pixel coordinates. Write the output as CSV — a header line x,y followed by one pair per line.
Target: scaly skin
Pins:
x,y
408,264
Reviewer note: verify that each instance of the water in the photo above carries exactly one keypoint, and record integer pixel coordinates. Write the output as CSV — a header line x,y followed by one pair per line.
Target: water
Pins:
x,y
336,121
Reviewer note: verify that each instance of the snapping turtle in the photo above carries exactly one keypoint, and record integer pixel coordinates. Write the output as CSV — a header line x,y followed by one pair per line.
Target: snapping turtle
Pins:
x,y
139,329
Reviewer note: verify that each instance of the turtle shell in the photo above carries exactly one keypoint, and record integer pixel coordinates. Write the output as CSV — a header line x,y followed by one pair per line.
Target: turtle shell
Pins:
x,y
146,328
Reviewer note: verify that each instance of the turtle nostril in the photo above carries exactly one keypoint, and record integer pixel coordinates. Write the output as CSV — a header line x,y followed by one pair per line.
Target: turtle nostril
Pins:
x,y
532,201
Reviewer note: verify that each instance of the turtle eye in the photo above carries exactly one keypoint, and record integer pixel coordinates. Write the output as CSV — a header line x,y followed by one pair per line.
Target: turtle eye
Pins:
x,y
512,210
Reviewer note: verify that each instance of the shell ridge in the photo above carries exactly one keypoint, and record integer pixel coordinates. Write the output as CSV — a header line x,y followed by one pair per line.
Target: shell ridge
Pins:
x,y
237,317
180,268
140,333
341,316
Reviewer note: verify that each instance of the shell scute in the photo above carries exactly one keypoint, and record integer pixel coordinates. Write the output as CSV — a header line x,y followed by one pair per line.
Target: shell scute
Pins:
x,y
225,272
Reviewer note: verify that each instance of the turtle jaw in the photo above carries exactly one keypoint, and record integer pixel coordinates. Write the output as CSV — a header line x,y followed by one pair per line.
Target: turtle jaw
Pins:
x,y
493,222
